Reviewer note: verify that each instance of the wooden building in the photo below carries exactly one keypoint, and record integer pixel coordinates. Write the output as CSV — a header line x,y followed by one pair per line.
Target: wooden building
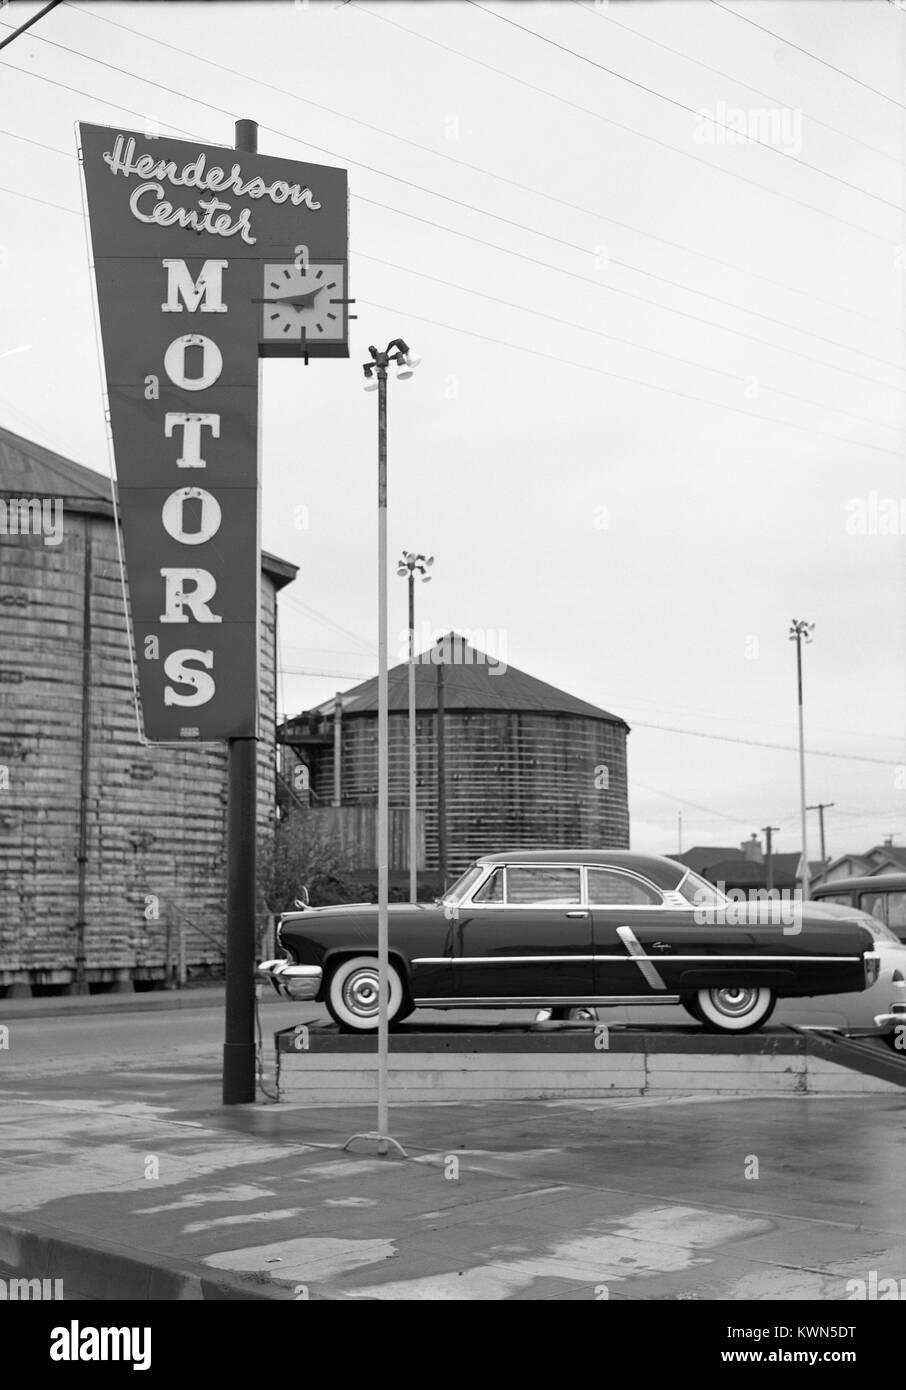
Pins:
x,y
112,853
525,765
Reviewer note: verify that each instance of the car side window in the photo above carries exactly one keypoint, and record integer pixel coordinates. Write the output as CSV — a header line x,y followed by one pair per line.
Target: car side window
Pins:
x,y
607,889
553,886
876,904
491,891
896,910
846,899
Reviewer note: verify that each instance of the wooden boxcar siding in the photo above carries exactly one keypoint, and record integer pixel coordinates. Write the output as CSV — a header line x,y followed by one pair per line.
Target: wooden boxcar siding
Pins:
x,y
513,779
156,816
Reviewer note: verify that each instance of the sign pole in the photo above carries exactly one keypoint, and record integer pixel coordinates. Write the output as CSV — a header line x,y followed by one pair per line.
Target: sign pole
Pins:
x,y
239,1033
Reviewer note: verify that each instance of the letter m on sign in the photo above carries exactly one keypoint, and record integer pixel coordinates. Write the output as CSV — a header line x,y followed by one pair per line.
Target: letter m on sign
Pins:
x,y
205,293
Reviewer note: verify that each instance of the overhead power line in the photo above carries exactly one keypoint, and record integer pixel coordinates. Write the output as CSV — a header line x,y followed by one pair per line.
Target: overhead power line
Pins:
x,y
532,260
584,366
583,250
608,15
608,120
627,342
758,743
490,173
690,110
633,381
814,57
10,38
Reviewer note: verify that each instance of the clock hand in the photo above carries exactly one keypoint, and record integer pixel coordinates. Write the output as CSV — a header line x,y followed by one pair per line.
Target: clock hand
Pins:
x,y
298,300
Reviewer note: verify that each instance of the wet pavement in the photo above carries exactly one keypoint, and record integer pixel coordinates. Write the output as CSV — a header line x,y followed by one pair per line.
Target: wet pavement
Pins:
x,y
112,1135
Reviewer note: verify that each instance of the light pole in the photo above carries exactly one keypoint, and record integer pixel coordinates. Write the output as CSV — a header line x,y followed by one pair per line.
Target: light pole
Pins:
x,y
409,565
396,353
800,632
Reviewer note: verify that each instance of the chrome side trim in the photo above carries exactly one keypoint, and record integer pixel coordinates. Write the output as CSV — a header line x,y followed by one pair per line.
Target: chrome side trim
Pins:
x,y
651,976
640,955
505,960
542,1000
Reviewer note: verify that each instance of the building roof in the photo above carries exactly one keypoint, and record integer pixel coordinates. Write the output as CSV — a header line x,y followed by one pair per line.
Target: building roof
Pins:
x,y
700,857
896,854
472,681
28,469
740,872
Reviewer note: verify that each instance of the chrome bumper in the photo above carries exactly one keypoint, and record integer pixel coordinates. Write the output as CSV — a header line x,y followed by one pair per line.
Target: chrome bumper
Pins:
x,y
292,981
895,1017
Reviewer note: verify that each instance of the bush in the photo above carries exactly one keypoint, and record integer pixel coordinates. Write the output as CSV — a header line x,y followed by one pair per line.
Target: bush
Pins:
x,y
305,852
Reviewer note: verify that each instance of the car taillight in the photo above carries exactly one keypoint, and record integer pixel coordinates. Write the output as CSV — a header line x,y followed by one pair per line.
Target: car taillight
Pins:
x,y
872,960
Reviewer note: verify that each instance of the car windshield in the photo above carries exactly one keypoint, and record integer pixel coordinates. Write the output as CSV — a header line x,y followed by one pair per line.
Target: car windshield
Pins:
x,y
699,891
457,891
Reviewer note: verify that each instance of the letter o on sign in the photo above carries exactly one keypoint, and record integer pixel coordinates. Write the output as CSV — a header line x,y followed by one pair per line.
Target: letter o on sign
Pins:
x,y
172,515
175,362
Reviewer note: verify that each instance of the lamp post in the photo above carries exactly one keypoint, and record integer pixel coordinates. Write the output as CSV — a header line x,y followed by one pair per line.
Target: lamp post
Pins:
x,y
409,565
800,632
396,353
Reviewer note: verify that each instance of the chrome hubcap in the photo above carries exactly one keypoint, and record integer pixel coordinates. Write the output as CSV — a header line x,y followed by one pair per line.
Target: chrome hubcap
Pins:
x,y
734,1002
360,993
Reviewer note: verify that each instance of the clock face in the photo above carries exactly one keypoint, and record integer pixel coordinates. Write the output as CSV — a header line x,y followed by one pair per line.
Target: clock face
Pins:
x,y
303,306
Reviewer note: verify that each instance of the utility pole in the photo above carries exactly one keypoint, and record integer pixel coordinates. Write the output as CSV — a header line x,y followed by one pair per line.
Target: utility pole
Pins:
x,y
408,566
769,831
800,632
821,807
242,807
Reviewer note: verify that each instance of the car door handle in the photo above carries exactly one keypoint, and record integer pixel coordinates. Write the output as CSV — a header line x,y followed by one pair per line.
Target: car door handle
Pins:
x,y
578,913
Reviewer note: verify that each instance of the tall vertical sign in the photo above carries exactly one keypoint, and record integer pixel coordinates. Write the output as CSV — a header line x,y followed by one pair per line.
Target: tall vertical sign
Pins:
x,y
205,258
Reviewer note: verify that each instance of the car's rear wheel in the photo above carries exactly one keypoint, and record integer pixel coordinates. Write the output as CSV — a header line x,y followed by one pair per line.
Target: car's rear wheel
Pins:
x,y
732,1009
352,994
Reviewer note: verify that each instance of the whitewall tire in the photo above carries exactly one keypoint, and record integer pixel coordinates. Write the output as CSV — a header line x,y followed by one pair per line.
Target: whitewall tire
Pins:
x,y
734,1009
352,994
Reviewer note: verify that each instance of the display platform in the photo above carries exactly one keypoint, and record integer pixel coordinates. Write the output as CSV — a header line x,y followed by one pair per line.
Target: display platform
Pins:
x,y
318,1065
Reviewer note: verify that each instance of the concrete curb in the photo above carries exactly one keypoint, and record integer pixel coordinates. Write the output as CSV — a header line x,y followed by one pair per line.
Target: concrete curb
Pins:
x,y
106,1272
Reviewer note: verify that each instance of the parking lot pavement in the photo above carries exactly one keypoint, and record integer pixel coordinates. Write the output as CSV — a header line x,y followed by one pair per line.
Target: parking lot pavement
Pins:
x,y
142,1183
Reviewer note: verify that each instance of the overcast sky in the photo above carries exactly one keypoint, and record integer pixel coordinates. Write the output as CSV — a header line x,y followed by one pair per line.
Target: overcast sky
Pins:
x,y
683,427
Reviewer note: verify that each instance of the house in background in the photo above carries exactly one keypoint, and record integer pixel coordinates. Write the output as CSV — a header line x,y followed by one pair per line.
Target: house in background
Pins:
x,y
744,867
887,858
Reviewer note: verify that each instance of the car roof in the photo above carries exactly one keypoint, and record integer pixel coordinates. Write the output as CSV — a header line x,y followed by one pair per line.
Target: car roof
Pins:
x,y
895,883
663,872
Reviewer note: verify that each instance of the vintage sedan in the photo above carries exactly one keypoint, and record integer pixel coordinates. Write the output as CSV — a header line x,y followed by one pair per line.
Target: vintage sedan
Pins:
x,y
571,929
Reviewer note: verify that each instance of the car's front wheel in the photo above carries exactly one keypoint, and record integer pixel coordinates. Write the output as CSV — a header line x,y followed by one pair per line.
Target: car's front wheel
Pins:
x,y
352,994
733,1009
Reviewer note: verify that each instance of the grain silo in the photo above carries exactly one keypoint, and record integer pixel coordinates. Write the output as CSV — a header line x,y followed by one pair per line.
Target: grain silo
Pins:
x,y
525,765
112,853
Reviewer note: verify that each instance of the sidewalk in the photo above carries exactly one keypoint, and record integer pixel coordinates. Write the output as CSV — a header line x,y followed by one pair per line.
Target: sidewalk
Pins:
x,y
147,1188
62,1005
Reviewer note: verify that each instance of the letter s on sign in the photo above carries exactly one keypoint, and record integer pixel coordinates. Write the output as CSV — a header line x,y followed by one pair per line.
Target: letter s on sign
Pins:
x,y
201,683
